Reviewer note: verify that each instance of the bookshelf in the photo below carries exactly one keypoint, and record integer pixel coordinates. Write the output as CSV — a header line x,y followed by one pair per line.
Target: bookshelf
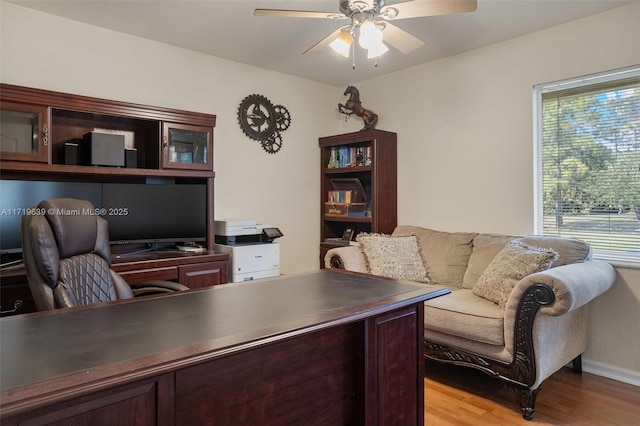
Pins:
x,y
361,168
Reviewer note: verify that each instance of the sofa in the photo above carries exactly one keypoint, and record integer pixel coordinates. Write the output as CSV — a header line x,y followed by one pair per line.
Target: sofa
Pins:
x,y
518,307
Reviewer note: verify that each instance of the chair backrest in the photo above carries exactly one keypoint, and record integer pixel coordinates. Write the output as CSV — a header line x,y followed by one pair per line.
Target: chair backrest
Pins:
x,y
67,257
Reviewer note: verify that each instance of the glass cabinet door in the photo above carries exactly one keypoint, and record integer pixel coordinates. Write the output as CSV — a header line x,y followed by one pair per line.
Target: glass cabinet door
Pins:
x,y
186,147
24,132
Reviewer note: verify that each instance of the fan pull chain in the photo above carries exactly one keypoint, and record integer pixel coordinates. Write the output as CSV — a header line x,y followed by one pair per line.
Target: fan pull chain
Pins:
x,y
353,56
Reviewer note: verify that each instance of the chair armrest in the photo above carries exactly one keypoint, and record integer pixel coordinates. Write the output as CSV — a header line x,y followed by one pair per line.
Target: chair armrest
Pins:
x,y
156,287
350,257
573,285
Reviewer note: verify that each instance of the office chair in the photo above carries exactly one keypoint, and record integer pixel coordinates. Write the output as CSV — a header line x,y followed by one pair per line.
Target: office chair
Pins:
x,y
68,260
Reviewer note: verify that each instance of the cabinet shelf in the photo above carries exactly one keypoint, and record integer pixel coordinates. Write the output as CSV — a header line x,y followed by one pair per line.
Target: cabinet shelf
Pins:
x,y
19,170
341,170
354,219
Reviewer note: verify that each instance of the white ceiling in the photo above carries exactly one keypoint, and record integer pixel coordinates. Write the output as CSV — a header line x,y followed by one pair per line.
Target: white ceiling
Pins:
x,y
228,29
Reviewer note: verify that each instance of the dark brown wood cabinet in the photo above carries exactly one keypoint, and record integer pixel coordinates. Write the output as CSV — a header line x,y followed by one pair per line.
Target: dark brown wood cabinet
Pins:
x,y
170,146
369,156
195,270
15,296
58,118
25,132
143,403
65,118
186,147
203,275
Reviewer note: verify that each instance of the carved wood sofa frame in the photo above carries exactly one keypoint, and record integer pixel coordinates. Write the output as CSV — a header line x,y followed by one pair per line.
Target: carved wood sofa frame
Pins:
x,y
521,372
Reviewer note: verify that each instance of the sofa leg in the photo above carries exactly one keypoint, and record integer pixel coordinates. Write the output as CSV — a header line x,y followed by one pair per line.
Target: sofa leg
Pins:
x,y
526,400
577,364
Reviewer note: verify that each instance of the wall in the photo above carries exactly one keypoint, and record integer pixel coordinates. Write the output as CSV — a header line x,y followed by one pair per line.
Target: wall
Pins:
x,y
465,147
45,51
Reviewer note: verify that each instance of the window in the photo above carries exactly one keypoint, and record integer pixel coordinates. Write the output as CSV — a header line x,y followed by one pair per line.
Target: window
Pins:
x,y
587,136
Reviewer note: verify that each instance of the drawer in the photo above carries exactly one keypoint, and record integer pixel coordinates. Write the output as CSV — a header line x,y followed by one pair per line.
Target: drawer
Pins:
x,y
169,273
203,274
16,299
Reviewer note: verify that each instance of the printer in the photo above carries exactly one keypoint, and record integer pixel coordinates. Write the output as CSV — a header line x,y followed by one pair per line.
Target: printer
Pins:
x,y
253,254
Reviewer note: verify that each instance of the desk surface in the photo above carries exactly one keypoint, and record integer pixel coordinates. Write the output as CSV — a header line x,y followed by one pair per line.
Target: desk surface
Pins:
x,y
133,339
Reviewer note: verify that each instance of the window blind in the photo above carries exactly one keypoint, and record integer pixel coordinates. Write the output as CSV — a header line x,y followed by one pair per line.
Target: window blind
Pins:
x,y
589,150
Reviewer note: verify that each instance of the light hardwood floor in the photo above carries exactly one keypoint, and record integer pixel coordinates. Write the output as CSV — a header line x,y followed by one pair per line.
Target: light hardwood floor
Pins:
x,y
456,396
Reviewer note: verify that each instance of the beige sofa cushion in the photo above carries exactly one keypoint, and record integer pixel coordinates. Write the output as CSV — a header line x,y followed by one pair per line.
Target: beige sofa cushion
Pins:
x,y
485,248
393,256
445,253
464,314
570,250
514,262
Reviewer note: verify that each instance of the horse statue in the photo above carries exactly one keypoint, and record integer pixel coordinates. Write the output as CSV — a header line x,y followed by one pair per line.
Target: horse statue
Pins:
x,y
353,106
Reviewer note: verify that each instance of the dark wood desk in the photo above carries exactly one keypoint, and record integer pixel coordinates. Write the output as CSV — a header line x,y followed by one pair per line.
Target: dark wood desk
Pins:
x,y
325,348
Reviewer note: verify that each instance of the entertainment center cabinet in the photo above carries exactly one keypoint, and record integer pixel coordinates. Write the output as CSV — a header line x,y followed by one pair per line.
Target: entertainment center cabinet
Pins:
x,y
167,146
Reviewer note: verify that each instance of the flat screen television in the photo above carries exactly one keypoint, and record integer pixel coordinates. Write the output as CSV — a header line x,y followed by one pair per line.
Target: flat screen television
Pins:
x,y
17,196
155,214
159,215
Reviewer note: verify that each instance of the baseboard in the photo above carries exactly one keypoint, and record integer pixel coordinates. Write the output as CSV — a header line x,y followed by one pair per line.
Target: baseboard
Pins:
x,y
611,372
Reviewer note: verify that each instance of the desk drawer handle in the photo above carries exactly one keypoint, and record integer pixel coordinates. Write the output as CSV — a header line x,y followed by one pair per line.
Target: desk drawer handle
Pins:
x,y
16,306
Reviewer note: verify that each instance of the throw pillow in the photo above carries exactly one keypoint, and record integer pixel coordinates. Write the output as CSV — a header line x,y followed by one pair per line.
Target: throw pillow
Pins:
x,y
514,262
393,256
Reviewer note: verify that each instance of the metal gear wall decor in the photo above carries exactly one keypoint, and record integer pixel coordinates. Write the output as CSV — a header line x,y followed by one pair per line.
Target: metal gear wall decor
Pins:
x,y
261,121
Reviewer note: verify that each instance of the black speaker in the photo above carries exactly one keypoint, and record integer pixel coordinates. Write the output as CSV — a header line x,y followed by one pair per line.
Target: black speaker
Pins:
x,y
71,153
103,149
131,158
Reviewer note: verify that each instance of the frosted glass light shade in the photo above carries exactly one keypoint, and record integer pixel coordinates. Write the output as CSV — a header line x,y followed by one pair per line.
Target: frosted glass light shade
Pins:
x,y
377,50
369,35
342,43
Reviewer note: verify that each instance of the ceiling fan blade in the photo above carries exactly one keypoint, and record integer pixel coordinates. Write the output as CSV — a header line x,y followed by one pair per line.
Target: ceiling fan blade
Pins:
x,y
280,13
419,8
400,39
324,43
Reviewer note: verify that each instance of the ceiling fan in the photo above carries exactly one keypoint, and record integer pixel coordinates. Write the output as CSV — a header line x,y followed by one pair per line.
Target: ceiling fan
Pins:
x,y
369,22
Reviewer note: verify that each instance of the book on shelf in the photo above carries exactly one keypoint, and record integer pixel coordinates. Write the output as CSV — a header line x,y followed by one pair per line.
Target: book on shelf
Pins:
x,y
349,190
340,196
349,156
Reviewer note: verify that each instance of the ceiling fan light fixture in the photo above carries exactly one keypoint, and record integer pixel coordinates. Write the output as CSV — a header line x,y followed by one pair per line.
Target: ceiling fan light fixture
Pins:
x,y
342,43
370,35
377,50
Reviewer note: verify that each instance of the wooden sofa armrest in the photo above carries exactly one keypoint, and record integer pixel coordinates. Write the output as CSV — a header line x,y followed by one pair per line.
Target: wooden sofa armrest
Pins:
x,y
349,258
553,292
572,285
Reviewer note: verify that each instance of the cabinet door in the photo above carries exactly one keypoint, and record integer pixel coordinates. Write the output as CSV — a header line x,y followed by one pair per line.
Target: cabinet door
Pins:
x,y
24,134
187,147
145,403
203,274
395,368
